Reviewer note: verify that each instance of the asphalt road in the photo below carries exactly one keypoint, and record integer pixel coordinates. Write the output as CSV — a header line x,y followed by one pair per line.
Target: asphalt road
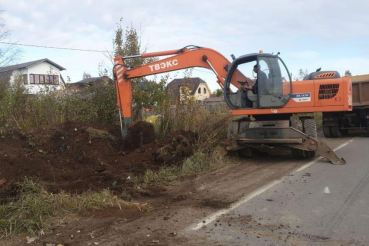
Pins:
x,y
317,204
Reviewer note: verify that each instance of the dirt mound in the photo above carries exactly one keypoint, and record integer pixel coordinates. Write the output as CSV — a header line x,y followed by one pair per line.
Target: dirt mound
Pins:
x,y
82,156
139,134
172,150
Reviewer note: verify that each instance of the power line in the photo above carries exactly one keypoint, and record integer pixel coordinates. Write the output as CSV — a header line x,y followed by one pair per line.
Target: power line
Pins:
x,y
50,47
203,71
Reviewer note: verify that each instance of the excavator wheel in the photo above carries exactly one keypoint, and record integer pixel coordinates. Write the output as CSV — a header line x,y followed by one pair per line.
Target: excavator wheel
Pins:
x,y
310,128
302,154
311,131
297,124
297,153
246,152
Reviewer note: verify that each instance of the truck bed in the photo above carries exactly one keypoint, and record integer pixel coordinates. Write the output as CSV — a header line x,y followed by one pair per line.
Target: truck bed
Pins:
x,y
360,91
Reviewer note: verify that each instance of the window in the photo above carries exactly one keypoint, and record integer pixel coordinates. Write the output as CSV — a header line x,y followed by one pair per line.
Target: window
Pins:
x,y
24,78
56,79
44,79
37,78
204,90
199,90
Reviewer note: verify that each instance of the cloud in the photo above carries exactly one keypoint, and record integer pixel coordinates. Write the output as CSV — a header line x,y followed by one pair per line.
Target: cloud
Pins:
x,y
308,54
299,29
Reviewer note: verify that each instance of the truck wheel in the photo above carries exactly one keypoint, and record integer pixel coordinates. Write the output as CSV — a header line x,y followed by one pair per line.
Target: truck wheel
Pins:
x,y
232,129
297,124
336,132
327,131
310,128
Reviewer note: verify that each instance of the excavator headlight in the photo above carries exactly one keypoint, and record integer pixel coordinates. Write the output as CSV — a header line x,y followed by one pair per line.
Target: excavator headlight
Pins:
x,y
261,51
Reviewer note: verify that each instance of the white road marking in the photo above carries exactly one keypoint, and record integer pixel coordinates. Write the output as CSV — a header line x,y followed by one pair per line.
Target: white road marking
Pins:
x,y
326,190
254,194
215,215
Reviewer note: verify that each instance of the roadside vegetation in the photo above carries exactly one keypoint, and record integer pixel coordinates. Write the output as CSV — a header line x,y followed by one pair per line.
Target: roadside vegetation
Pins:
x,y
34,210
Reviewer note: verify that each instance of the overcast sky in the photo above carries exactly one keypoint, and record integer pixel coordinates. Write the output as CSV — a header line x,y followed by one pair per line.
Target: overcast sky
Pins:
x,y
330,34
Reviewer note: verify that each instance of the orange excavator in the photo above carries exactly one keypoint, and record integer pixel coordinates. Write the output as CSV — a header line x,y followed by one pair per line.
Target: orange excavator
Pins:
x,y
257,88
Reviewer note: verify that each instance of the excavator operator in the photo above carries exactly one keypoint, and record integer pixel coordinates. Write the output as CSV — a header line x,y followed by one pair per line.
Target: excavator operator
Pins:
x,y
261,76
263,79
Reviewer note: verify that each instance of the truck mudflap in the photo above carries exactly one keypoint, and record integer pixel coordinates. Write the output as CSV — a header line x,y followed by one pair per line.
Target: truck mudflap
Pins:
x,y
292,138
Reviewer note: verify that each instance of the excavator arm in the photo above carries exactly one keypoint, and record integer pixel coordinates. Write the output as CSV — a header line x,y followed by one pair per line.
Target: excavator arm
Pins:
x,y
190,56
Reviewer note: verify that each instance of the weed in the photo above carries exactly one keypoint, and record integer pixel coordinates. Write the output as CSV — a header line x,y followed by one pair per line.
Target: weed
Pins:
x,y
34,208
196,163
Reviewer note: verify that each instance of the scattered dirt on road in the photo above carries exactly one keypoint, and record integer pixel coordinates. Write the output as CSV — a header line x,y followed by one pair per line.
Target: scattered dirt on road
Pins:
x,y
77,157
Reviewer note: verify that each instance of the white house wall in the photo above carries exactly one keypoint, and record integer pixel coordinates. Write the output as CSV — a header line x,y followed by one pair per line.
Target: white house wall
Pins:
x,y
17,73
201,96
43,68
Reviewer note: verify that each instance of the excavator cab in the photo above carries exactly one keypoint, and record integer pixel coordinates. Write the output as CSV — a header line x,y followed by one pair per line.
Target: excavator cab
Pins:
x,y
264,82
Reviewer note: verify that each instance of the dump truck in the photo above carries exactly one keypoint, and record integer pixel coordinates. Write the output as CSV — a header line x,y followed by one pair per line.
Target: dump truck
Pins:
x,y
335,124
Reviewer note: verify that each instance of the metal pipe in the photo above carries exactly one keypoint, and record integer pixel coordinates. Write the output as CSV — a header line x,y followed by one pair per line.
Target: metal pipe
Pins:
x,y
121,123
160,53
212,68
130,57
153,54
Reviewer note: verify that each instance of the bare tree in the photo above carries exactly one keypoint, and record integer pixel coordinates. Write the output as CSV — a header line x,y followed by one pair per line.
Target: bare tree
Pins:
x,y
102,70
9,53
303,73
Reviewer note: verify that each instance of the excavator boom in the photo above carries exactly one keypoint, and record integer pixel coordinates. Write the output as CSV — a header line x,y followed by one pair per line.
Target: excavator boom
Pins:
x,y
191,56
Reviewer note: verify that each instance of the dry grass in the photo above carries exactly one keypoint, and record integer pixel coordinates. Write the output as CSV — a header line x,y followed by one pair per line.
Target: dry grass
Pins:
x,y
210,128
35,208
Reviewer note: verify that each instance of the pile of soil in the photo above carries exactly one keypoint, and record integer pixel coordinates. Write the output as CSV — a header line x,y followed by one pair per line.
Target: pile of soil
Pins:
x,y
77,157
139,134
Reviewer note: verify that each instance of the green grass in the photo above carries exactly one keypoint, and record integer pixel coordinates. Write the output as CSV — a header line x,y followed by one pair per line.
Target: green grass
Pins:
x,y
198,163
34,209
